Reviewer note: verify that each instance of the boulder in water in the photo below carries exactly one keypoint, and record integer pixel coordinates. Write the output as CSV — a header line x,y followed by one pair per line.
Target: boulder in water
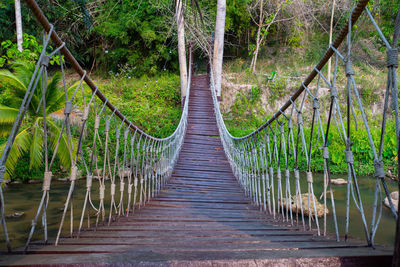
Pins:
x,y
394,196
339,181
124,172
304,201
15,215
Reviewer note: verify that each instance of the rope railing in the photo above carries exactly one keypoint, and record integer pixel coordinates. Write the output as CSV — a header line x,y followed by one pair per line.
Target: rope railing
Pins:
x,y
105,147
266,161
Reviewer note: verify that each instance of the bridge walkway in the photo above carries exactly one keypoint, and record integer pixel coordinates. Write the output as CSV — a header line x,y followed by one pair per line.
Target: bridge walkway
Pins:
x,y
201,217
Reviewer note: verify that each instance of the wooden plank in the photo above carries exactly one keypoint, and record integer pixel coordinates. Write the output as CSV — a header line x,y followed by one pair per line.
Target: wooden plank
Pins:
x,y
202,214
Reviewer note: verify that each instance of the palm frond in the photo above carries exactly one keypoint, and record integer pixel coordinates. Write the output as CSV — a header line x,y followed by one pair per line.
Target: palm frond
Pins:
x,y
53,93
21,145
24,71
11,79
7,117
18,86
63,150
36,148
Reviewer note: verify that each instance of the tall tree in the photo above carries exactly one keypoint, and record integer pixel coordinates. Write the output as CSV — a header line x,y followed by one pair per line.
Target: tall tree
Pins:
x,y
264,23
181,46
219,44
18,22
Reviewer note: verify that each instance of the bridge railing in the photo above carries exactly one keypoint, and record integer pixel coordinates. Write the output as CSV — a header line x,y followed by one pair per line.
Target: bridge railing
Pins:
x,y
266,162
102,145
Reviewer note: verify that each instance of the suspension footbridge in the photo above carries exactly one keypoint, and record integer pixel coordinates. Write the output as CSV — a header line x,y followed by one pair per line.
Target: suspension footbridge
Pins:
x,y
202,196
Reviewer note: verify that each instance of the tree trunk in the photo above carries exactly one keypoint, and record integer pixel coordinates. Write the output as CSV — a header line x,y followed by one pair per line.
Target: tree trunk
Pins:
x,y
181,47
330,40
260,24
219,44
18,22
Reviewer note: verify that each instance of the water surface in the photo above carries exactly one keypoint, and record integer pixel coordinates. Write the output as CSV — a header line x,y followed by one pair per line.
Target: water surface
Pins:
x,y
26,197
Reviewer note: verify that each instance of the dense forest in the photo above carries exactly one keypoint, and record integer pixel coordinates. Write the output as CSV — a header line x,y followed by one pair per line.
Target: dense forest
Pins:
x,y
130,48
139,37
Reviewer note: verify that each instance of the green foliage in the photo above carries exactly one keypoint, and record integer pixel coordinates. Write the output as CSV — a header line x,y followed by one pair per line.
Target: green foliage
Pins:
x,y
241,105
297,35
255,93
134,34
277,88
30,53
29,140
152,103
386,11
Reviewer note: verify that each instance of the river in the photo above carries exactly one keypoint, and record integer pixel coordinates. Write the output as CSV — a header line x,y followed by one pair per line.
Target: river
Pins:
x,y
25,198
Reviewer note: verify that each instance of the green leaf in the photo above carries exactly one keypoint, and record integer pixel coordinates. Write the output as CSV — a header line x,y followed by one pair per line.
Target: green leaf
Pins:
x,y
36,149
21,145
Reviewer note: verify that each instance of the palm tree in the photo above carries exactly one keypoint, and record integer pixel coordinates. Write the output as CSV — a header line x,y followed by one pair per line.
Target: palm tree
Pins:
x,y
29,139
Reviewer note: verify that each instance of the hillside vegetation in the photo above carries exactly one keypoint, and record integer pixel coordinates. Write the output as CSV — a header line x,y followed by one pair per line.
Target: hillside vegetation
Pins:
x,y
129,48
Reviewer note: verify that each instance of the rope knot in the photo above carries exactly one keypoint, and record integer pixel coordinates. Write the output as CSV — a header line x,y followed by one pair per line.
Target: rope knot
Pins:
x,y
290,124
2,172
135,182
112,189
379,169
126,134
282,129
122,187
74,173
278,174
274,138
333,91
47,180
68,108
392,57
309,177
89,180
85,113
300,118
287,173
349,67
45,61
296,174
107,127
315,103
325,152
117,133
130,188
101,191
97,123
349,156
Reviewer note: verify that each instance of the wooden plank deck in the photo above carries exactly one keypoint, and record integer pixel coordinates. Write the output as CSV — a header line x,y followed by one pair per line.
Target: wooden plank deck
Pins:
x,y
201,218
